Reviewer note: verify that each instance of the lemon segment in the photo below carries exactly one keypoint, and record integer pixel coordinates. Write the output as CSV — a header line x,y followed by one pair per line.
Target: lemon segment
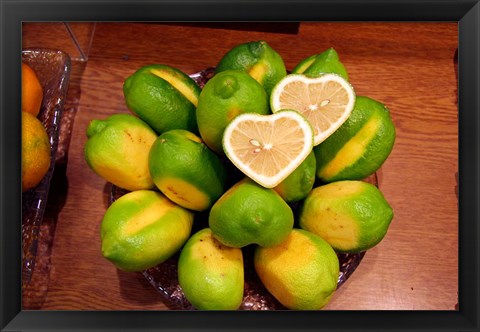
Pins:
x,y
268,148
325,101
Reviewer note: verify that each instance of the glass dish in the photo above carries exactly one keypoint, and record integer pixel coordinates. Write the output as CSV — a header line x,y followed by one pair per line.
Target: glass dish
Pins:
x,y
164,277
53,70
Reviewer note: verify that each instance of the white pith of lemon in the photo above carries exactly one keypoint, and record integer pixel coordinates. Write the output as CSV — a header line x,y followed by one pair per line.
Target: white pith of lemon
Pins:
x,y
268,148
325,101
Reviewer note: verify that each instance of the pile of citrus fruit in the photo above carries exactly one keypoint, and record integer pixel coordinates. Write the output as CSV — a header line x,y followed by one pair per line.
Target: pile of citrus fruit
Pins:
x,y
35,142
270,159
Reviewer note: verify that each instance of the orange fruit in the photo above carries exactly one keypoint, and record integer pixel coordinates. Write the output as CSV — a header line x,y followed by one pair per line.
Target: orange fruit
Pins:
x,y
35,151
32,91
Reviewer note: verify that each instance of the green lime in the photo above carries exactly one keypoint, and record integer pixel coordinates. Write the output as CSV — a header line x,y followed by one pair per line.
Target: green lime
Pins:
x,y
250,214
186,171
163,96
142,229
117,150
360,146
301,272
326,62
223,97
352,216
300,182
211,275
258,59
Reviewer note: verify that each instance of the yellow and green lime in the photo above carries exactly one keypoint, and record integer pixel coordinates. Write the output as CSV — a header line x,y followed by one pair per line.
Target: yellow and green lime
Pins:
x,y
301,272
352,216
226,95
185,170
117,150
258,59
327,61
163,96
300,182
142,229
211,275
250,214
360,146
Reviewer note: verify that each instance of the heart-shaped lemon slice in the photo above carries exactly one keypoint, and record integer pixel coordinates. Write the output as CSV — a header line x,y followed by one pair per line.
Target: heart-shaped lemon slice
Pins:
x,y
326,101
268,148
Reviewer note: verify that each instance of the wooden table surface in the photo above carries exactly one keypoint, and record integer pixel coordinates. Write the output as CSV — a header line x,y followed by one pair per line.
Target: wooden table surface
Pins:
x,y
408,66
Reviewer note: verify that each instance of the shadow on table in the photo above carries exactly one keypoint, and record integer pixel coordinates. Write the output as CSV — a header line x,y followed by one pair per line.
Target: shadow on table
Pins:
x,y
284,27
35,292
140,292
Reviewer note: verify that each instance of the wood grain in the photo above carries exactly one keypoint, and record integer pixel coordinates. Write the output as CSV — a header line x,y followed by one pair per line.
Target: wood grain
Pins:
x,y
407,66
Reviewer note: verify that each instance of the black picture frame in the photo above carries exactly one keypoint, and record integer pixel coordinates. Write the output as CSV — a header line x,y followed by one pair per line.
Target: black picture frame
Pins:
x,y
465,12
